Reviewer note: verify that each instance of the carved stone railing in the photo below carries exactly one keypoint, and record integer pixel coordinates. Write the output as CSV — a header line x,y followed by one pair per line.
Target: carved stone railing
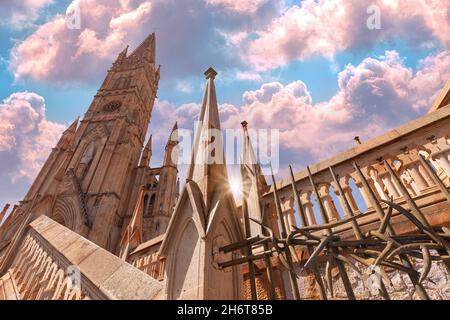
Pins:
x,y
151,264
146,258
52,262
428,136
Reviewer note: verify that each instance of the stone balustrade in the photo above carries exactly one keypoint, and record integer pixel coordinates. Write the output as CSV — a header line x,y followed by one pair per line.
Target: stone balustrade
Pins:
x,y
147,259
428,136
151,264
53,262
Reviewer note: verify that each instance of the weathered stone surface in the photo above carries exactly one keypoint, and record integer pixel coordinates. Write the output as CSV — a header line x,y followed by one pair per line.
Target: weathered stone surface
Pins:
x,y
102,274
402,288
79,250
99,266
119,286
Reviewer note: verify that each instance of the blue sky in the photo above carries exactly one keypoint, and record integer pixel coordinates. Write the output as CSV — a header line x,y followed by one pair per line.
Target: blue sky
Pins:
x,y
309,68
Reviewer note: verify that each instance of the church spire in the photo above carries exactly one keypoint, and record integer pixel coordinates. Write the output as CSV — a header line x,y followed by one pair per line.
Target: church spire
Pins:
x,y
171,154
205,216
132,236
208,168
252,182
146,49
74,125
3,212
122,56
147,153
68,134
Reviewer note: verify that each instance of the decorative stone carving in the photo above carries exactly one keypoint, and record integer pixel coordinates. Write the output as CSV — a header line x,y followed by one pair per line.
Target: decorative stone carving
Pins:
x,y
112,106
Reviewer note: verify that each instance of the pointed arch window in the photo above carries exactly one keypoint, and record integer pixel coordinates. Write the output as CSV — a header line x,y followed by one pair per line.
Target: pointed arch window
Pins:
x,y
145,203
151,205
116,85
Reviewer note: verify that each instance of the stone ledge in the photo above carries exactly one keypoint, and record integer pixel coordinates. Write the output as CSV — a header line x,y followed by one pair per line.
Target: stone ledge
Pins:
x,y
114,278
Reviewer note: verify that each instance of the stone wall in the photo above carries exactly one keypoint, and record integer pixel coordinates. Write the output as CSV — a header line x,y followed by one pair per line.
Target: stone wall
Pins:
x,y
437,284
262,289
51,258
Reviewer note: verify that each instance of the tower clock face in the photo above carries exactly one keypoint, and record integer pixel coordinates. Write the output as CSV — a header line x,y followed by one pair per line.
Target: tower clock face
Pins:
x,y
112,106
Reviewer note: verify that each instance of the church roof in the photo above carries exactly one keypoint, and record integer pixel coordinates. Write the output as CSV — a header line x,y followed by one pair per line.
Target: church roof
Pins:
x,y
442,99
208,167
146,47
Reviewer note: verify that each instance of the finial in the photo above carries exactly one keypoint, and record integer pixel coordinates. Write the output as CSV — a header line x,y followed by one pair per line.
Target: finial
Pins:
x,y
149,142
244,124
74,125
210,73
357,139
124,52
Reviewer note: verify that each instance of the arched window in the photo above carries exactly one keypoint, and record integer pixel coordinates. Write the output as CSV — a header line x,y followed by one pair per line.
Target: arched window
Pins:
x,y
116,85
128,82
145,204
151,205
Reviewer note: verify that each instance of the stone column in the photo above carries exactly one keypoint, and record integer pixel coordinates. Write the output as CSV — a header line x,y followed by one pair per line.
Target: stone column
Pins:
x,y
289,214
425,175
417,177
409,183
292,220
286,222
363,193
348,193
328,203
273,219
392,190
377,185
308,207
443,162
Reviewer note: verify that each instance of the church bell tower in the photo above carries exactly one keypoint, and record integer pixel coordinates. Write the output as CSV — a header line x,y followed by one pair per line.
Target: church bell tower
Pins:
x,y
87,185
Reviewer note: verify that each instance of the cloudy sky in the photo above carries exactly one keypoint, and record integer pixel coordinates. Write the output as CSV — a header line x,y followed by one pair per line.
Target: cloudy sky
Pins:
x,y
312,69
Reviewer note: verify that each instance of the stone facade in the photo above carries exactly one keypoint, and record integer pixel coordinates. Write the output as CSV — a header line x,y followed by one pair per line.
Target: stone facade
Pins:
x,y
93,177
401,288
132,234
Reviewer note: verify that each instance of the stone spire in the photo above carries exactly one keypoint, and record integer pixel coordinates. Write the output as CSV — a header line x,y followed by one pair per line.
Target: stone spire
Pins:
x,y
68,134
73,127
171,154
3,212
252,182
205,218
208,168
132,236
123,55
147,153
146,49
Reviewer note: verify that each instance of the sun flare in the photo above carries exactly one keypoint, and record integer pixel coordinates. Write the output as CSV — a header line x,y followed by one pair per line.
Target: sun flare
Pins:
x,y
235,186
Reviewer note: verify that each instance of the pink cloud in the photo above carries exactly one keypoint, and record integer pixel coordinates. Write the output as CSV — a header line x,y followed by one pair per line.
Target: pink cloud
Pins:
x,y
373,97
26,136
55,54
44,55
240,6
249,76
325,27
434,72
21,14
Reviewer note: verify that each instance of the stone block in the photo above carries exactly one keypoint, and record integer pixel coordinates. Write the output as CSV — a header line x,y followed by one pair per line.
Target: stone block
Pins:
x,y
99,266
129,283
79,250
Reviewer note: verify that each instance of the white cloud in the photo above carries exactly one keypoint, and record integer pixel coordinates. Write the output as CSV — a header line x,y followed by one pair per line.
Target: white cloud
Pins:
x,y
26,136
239,6
21,14
324,27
